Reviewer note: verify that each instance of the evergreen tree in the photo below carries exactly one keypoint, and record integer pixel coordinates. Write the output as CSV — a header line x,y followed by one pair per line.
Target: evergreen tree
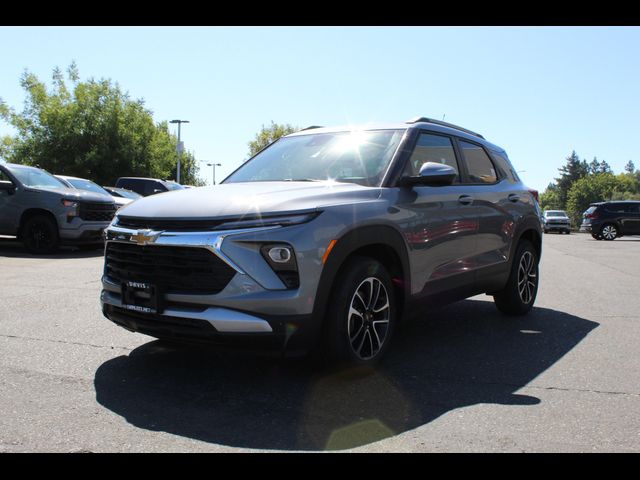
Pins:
x,y
604,167
630,167
571,172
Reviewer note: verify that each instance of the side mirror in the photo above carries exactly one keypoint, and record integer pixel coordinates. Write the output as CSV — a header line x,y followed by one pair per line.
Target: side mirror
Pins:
x,y
432,174
7,186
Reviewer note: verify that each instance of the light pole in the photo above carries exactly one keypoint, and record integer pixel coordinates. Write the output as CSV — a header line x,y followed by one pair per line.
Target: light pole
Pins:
x,y
214,165
179,122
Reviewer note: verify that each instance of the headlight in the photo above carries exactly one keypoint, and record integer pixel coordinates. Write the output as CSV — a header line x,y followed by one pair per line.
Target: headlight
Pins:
x,y
74,208
268,221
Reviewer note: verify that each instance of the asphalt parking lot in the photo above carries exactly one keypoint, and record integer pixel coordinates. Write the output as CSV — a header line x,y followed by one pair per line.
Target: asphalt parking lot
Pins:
x,y
464,379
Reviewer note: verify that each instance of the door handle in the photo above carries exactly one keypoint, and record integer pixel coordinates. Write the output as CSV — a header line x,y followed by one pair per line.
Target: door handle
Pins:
x,y
465,199
514,197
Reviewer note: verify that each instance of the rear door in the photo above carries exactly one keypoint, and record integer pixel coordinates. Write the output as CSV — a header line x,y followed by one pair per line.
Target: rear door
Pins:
x,y
498,200
632,219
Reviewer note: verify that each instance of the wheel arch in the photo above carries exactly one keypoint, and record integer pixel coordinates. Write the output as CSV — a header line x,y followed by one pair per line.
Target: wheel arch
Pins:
x,y
33,212
382,243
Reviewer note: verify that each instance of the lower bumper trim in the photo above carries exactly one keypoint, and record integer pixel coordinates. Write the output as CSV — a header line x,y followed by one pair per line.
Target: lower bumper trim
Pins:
x,y
222,320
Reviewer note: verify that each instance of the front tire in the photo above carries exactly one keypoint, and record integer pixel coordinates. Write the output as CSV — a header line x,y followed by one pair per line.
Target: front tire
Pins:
x,y
362,315
39,234
519,295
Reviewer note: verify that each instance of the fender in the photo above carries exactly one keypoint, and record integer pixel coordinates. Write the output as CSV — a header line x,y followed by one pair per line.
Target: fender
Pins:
x,y
352,241
528,224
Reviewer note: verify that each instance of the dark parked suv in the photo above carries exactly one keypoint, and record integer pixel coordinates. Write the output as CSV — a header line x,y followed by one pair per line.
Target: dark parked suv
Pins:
x,y
611,220
325,239
147,186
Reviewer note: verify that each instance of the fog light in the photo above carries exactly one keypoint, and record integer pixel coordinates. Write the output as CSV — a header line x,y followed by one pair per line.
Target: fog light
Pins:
x,y
280,254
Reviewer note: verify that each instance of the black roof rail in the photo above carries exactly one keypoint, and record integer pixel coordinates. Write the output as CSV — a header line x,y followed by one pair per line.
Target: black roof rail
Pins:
x,y
444,124
311,127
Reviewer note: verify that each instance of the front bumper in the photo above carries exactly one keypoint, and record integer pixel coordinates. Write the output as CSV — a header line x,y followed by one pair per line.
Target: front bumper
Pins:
x,y
563,227
254,309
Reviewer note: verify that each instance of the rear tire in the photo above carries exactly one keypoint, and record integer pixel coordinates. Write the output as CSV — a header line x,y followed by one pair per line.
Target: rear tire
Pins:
x,y
609,232
362,313
39,234
519,295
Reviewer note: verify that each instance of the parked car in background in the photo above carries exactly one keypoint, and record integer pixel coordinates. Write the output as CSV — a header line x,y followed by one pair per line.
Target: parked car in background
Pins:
x,y
43,212
84,184
147,186
556,221
325,238
611,220
123,193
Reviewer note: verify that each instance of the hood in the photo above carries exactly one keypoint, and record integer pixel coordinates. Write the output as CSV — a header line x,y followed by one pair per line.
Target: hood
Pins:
x,y
75,194
121,201
237,199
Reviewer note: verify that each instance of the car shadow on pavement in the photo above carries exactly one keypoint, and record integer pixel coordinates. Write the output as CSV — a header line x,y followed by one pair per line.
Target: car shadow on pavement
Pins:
x,y
14,249
463,354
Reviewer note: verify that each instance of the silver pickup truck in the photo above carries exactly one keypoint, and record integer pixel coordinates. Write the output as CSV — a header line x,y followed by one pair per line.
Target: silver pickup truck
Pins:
x,y
43,213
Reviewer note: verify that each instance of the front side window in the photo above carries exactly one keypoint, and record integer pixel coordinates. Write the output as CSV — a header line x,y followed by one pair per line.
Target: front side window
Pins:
x,y
479,166
4,177
360,157
431,148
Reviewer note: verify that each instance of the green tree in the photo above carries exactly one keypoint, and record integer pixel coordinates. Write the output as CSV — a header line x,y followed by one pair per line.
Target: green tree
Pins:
x,y
267,135
90,129
604,167
630,167
571,172
550,198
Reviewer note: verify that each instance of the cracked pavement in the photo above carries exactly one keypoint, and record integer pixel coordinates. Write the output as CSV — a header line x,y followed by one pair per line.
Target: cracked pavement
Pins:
x,y
460,379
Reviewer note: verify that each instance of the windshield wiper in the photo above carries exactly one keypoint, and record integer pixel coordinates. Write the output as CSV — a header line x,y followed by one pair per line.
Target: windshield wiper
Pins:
x,y
303,180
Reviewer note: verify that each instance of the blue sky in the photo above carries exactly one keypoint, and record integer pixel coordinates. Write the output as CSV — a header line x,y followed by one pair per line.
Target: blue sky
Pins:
x,y
539,92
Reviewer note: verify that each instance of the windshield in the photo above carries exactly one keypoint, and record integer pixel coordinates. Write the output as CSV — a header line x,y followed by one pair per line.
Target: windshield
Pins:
x,y
87,185
36,178
173,186
358,157
126,193
555,213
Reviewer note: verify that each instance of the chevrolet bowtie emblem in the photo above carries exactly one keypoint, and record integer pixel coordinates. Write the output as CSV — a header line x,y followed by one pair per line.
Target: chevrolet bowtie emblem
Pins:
x,y
144,237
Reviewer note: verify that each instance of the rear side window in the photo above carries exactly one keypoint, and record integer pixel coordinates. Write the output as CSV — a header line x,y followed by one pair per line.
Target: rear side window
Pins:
x,y
431,148
505,165
479,165
618,207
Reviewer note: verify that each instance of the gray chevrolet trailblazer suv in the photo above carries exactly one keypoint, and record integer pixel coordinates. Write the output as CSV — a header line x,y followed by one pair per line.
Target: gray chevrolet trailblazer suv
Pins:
x,y
324,239
43,213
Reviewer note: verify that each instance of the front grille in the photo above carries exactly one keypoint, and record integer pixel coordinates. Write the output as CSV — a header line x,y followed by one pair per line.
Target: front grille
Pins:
x,y
97,212
176,269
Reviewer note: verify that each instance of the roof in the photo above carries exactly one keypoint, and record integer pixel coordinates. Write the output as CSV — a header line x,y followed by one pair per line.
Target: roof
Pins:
x,y
421,123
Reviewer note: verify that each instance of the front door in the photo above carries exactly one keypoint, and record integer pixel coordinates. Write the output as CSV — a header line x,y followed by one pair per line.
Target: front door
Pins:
x,y
439,222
